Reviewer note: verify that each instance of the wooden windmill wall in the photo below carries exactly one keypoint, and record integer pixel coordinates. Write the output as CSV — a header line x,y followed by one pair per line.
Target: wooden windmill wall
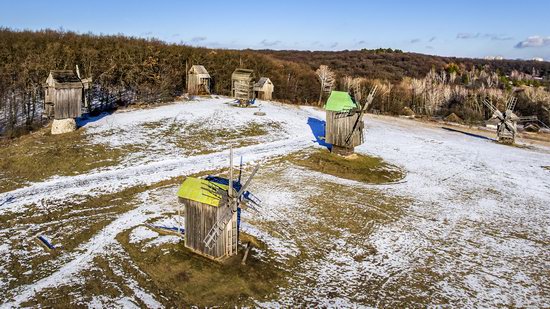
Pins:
x,y
242,84
339,125
203,210
344,126
199,219
63,95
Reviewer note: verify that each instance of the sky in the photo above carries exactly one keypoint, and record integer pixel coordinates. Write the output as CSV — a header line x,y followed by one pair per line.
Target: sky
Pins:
x,y
465,28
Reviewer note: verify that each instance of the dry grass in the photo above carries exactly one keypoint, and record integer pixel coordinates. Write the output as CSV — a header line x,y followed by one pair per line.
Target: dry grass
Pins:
x,y
356,167
190,279
41,155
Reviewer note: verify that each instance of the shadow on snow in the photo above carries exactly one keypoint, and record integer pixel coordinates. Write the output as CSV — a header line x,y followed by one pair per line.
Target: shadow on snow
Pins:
x,y
318,129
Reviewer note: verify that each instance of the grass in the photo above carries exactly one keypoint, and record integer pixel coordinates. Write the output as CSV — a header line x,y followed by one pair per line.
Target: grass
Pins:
x,y
357,167
189,279
39,156
198,138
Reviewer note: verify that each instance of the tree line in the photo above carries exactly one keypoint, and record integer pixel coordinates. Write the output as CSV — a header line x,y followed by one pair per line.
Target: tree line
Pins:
x,y
127,70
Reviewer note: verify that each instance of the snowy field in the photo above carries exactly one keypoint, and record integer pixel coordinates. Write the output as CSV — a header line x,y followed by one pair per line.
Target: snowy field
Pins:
x,y
469,226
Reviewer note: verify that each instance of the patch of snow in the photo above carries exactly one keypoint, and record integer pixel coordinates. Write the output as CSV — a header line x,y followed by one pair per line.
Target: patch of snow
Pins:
x,y
164,239
119,178
142,233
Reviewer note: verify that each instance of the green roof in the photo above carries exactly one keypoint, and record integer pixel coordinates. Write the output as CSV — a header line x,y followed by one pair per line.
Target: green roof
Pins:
x,y
199,190
339,101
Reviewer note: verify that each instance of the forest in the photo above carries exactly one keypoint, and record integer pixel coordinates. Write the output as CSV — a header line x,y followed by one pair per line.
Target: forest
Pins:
x,y
127,70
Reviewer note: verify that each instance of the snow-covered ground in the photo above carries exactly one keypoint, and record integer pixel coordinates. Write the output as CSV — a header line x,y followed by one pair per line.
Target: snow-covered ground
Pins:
x,y
469,225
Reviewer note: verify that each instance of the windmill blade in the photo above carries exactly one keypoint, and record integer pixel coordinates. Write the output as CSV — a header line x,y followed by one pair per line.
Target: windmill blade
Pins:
x,y
511,103
230,188
240,170
527,118
218,228
248,181
370,97
493,109
490,105
369,100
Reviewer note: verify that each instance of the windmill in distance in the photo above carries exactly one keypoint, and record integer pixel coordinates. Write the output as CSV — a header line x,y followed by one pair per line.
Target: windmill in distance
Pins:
x,y
344,121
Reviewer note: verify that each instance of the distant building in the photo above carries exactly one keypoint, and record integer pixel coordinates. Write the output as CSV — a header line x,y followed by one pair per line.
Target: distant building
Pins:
x,y
64,94
242,84
494,58
539,59
198,81
263,89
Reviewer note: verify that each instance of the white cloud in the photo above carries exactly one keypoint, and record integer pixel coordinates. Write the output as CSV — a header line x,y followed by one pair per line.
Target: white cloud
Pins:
x,y
534,41
198,39
415,41
269,43
498,37
465,35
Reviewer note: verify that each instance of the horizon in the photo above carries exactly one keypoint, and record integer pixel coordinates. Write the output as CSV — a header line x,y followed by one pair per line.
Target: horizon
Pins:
x,y
441,29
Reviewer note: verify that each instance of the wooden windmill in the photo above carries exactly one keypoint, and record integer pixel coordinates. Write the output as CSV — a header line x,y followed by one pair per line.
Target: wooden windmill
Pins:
x,y
344,125
212,211
507,121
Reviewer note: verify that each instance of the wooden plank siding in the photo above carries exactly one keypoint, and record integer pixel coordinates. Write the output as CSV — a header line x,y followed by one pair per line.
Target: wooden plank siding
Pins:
x,y
198,81
197,85
67,103
242,84
199,219
338,127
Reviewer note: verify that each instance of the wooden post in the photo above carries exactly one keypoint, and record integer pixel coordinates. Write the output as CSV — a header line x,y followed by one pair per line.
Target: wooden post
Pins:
x,y
243,262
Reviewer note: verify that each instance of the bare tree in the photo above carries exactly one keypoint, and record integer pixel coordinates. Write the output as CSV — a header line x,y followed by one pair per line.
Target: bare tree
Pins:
x,y
347,82
326,78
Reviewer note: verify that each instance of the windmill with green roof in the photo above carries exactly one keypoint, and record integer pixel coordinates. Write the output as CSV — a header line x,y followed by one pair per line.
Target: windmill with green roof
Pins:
x,y
344,121
212,212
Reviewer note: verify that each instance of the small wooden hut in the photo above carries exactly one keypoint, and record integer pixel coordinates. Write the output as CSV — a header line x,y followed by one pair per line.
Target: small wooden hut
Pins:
x,y
63,95
242,84
344,129
198,81
205,205
263,89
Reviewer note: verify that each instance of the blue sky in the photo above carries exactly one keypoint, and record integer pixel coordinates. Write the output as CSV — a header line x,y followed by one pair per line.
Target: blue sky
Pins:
x,y
515,29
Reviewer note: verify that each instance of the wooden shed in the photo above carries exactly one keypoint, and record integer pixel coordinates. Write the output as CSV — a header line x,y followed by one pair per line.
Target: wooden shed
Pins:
x,y
263,89
64,92
198,81
242,84
205,204
344,129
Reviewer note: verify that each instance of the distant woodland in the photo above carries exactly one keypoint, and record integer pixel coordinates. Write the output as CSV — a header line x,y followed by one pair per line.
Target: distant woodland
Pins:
x,y
129,70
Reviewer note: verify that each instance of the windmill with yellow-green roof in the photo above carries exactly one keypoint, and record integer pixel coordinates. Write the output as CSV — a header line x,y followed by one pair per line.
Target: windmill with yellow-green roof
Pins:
x,y
344,121
212,212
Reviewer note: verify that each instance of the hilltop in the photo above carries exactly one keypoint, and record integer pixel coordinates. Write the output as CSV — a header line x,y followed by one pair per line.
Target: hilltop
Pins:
x,y
127,70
